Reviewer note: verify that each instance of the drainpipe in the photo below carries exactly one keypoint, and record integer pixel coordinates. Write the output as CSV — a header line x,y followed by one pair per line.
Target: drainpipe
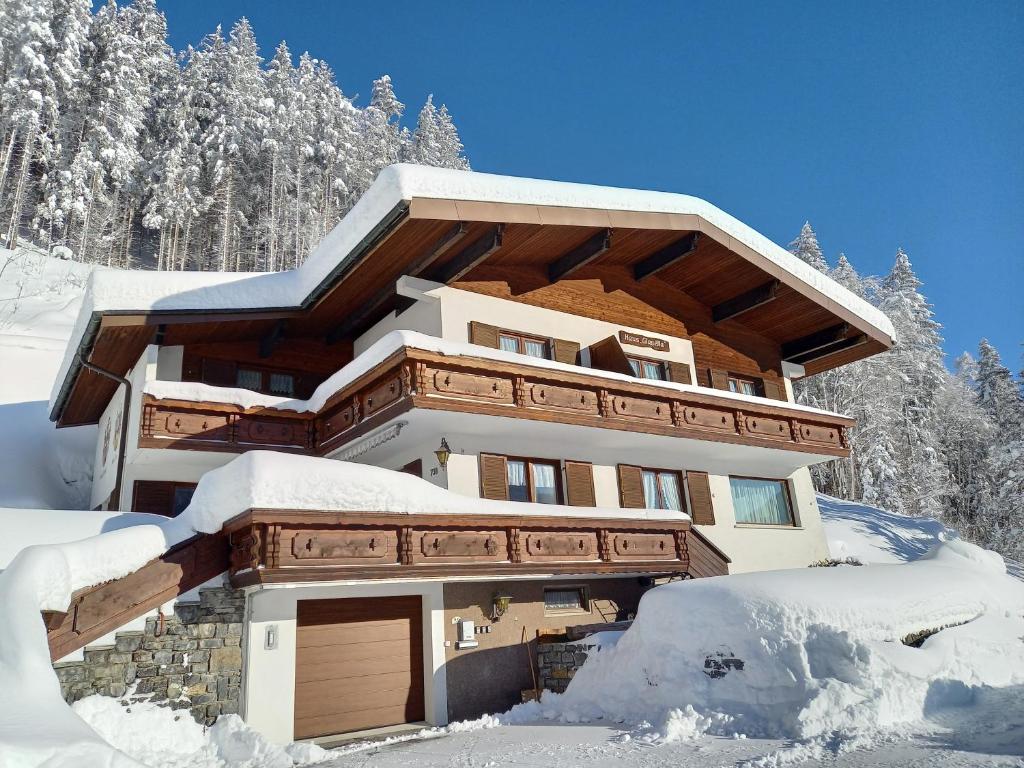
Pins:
x,y
125,413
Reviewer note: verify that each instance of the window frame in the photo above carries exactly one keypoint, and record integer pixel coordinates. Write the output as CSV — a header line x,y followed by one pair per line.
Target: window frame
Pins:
x,y
531,487
584,602
739,380
662,366
265,375
521,339
787,494
679,474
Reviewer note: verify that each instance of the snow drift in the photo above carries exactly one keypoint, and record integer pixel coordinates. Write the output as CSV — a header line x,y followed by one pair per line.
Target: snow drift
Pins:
x,y
808,654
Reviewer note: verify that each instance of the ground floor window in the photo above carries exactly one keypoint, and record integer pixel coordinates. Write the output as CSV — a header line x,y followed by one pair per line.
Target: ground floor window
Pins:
x,y
162,497
762,502
662,489
566,600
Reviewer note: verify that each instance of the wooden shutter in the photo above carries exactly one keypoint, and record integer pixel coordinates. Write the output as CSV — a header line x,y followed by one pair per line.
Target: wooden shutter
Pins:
x,y
413,468
773,389
702,509
679,372
483,334
219,373
579,484
154,496
631,487
565,351
493,477
607,355
718,379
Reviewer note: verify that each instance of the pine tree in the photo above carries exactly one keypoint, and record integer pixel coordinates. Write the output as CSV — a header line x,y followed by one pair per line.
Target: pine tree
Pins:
x,y
805,247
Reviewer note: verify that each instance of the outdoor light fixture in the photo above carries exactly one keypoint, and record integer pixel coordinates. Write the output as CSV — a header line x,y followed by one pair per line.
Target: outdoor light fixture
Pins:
x,y
443,453
501,604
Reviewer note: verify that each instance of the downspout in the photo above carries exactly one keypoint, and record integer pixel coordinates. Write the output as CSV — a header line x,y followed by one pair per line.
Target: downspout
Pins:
x,y
115,495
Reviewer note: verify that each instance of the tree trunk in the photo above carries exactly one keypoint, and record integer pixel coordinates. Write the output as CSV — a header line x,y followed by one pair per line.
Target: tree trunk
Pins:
x,y
85,222
226,223
5,161
272,233
19,190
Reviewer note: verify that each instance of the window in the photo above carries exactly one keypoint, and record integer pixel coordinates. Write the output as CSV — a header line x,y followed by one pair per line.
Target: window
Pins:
x,y
162,497
535,481
762,502
282,384
524,345
647,369
247,378
743,386
269,382
662,489
182,498
566,600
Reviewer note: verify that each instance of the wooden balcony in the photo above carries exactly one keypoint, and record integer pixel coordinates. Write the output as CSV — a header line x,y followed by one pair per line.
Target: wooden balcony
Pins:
x,y
415,379
272,546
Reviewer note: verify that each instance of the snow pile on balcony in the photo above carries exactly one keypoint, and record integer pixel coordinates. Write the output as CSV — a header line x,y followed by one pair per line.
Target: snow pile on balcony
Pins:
x,y
813,655
272,480
390,343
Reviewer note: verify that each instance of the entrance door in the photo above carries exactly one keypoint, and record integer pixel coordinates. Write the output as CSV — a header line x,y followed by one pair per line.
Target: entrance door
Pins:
x,y
358,664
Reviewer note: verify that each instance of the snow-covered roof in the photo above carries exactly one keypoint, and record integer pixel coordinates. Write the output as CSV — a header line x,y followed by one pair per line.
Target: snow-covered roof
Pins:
x,y
119,291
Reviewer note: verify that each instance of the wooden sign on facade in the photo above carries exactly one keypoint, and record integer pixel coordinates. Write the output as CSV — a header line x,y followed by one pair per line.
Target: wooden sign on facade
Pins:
x,y
638,340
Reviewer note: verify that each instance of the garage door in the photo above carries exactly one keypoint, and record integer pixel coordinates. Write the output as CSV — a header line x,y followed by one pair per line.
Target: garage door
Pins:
x,y
358,664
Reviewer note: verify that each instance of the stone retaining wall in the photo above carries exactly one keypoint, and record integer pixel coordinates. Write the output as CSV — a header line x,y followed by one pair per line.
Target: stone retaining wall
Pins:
x,y
193,661
558,662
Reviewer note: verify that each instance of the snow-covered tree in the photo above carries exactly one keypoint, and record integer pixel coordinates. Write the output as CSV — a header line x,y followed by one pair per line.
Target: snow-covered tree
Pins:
x,y
805,247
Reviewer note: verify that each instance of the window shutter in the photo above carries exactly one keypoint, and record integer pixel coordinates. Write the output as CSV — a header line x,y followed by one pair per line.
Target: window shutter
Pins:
x,y
191,367
493,477
702,509
719,379
773,389
483,334
607,355
219,373
679,373
579,484
565,351
154,496
631,487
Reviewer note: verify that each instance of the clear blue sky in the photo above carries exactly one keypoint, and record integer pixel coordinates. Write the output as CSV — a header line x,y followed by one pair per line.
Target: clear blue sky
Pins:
x,y
886,124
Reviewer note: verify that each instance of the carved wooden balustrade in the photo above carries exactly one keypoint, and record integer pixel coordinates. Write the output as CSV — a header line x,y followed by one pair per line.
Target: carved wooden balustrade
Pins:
x,y
269,546
412,378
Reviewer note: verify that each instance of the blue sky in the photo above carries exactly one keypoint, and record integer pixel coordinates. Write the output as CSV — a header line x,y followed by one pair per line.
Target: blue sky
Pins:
x,y
887,125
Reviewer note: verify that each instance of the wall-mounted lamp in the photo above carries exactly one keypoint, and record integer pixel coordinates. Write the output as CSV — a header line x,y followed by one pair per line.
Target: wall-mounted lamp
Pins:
x,y
500,606
443,453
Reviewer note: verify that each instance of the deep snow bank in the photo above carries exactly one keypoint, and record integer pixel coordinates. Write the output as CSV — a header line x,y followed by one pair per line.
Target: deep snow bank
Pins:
x,y
808,653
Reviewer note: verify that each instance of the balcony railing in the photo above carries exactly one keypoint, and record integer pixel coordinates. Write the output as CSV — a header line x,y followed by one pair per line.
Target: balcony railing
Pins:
x,y
416,379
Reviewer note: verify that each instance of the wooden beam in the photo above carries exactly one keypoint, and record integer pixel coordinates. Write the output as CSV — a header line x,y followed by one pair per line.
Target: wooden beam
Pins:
x,y
469,257
830,349
745,302
667,256
268,342
814,341
387,294
580,256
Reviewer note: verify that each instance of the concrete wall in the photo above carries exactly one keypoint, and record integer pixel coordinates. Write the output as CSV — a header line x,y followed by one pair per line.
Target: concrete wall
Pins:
x,y
269,675
492,676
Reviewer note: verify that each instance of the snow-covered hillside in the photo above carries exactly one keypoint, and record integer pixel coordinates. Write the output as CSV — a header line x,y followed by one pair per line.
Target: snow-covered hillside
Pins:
x,y
42,467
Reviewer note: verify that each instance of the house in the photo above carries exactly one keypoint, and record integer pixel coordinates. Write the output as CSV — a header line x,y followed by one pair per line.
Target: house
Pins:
x,y
617,364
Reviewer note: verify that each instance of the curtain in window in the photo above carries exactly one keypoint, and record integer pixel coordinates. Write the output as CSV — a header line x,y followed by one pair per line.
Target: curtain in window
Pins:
x,y
653,371
635,365
536,348
509,343
668,482
247,379
545,490
650,489
760,501
517,488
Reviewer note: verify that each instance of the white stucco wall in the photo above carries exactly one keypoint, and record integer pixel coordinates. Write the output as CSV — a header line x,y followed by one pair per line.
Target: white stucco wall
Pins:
x,y
268,694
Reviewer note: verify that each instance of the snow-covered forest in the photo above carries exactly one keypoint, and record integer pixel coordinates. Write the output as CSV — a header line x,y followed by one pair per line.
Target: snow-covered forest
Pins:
x,y
115,149
927,442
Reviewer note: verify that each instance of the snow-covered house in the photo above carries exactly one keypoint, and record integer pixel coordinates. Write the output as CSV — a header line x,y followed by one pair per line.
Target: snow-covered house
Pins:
x,y
598,379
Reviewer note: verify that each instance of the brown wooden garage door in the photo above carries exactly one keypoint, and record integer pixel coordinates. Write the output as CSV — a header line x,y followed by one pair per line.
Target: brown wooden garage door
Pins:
x,y
358,664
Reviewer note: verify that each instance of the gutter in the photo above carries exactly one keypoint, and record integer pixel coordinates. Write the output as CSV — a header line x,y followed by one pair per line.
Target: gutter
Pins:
x,y
115,495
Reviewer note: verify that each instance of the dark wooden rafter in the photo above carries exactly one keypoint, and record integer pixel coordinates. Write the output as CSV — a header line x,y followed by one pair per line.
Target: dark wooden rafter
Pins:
x,y
469,257
387,294
268,342
814,342
830,349
667,256
580,256
745,302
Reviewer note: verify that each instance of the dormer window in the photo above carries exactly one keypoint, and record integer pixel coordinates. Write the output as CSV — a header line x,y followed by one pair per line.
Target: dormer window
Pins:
x,y
522,344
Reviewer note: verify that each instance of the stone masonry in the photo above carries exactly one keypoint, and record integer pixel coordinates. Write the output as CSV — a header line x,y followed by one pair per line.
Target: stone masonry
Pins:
x,y
558,662
194,661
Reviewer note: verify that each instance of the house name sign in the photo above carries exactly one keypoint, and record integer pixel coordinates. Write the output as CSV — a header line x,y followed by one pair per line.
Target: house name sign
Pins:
x,y
638,340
